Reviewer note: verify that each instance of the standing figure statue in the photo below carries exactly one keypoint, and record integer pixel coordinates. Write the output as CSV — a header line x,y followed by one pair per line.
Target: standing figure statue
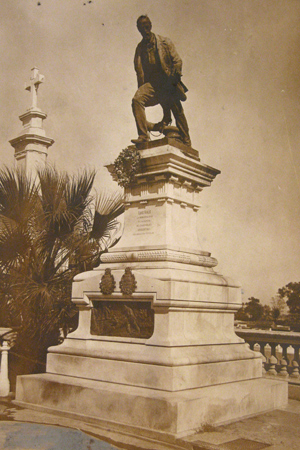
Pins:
x,y
158,68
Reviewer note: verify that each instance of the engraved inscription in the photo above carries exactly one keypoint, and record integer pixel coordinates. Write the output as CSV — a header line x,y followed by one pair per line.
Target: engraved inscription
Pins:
x,y
144,222
122,319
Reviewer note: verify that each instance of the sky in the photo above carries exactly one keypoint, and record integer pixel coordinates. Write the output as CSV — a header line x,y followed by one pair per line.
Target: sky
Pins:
x,y
241,63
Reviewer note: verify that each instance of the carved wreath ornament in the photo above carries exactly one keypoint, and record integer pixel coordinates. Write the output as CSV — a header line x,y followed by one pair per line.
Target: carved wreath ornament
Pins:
x,y
107,284
126,166
128,282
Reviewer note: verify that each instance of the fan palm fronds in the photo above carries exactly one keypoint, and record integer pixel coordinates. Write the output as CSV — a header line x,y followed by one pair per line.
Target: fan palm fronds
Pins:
x,y
107,208
18,195
51,228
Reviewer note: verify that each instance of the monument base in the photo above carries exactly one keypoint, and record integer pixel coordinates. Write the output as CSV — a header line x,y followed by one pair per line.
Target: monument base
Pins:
x,y
174,414
155,352
193,370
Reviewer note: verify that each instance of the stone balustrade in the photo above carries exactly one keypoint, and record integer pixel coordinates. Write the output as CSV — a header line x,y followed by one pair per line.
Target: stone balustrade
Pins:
x,y
279,349
7,337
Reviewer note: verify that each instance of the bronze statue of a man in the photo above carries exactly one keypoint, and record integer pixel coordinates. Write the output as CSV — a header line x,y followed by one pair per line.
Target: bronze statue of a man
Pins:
x,y
158,68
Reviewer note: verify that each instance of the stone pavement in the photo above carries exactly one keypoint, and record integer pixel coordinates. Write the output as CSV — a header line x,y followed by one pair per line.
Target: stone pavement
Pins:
x,y
276,430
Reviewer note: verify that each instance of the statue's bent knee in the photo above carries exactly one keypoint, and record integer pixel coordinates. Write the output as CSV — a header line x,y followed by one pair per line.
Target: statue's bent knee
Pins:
x,y
137,100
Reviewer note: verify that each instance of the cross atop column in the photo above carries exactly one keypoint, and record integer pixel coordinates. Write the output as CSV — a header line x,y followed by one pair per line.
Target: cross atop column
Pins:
x,y
35,80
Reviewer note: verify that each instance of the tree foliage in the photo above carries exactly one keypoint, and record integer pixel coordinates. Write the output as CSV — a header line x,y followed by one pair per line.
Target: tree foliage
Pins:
x,y
241,314
278,306
254,309
51,229
291,294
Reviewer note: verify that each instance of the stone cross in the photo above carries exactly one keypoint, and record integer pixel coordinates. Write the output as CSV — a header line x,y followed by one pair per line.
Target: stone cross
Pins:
x,y
35,80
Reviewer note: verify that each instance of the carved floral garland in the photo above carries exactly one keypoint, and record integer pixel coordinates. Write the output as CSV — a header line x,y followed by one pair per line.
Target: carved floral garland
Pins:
x,y
126,166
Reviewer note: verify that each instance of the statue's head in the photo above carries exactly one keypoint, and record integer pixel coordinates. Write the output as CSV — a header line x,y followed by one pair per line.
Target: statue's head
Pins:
x,y
144,26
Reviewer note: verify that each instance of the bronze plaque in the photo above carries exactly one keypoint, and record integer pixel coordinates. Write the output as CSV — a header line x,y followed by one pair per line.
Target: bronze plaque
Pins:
x,y
122,318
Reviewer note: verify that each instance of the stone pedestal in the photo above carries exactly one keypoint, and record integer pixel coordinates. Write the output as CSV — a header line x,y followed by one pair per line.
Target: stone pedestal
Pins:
x,y
155,349
31,146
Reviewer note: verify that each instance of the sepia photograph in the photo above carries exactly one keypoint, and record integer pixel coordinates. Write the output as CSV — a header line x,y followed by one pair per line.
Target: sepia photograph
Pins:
x,y
149,225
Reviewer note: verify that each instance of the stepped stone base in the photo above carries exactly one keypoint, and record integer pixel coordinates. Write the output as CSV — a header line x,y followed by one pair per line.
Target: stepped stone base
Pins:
x,y
169,413
155,350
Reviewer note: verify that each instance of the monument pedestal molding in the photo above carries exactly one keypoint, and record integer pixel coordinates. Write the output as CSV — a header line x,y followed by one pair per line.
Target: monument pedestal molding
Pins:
x,y
155,350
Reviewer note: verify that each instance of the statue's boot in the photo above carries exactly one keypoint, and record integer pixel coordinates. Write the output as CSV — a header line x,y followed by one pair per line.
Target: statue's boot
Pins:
x,y
159,126
139,140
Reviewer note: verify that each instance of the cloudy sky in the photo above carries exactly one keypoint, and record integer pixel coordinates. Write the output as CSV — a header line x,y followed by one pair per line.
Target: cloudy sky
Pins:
x,y
241,65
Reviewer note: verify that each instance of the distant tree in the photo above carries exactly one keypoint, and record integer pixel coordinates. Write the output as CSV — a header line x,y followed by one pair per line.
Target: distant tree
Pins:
x,y
291,295
275,314
267,312
254,308
278,306
241,314
278,303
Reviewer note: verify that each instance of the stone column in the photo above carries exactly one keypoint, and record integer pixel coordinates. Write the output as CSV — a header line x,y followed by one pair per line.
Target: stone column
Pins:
x,y
4,381
7,337
31,146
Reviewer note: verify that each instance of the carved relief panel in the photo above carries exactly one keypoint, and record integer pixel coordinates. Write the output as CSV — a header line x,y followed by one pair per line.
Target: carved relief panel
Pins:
x,y
122,318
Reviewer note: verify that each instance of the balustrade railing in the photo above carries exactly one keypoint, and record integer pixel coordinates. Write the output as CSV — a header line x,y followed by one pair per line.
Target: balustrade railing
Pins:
x,y
279,349
280,352
7,338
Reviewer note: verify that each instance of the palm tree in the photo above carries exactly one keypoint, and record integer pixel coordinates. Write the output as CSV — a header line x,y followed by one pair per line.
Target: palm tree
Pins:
x,y
51,228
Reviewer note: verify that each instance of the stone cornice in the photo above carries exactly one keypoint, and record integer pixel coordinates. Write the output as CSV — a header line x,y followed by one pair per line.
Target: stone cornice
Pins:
x,y
160,255
168,163
31,137
152,199
33,113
